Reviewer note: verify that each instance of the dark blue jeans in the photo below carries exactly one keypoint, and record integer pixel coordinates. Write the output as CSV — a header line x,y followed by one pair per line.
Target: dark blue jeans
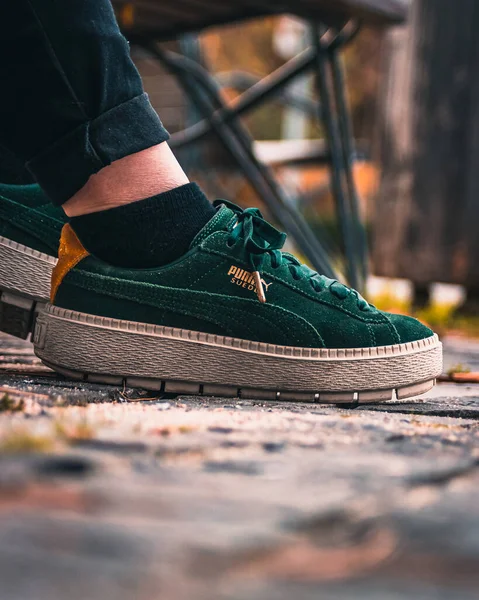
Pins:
x,y
71,100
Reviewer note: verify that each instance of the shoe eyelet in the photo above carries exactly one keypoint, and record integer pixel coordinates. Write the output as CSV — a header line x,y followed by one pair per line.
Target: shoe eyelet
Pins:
x,y
229,245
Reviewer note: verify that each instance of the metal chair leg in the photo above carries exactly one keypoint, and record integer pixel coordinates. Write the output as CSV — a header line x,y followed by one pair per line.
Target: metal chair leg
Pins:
x,y
345,127
337,158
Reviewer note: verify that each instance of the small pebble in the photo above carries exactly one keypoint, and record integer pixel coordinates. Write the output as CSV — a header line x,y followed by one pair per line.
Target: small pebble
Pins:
x,y
163,405
217,429
274,446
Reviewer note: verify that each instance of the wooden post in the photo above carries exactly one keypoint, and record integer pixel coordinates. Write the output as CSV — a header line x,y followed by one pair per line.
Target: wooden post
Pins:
x,y
427,217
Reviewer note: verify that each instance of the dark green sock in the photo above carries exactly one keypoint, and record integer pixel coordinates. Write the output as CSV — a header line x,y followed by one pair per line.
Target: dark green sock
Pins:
x,y
147,233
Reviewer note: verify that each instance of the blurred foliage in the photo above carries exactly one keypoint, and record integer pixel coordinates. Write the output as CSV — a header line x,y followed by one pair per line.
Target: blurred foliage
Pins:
x,y
460,368
9,404
443,318
21,441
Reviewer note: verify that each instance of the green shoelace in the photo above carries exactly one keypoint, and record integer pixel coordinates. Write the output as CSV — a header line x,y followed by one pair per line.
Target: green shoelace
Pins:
x,y
261,239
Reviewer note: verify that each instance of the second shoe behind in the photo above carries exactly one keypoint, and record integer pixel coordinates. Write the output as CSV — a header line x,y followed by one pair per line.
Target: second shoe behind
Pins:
x,y
30,229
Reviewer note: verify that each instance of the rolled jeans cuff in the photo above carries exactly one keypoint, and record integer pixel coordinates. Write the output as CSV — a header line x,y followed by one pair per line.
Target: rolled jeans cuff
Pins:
x,y
64,167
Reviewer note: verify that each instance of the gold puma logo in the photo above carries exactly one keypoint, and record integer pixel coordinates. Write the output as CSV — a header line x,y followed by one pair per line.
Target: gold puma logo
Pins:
x,y
249,281
266,285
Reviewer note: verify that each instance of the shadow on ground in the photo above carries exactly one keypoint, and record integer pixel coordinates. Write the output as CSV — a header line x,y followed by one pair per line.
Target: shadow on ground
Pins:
x,y
108,493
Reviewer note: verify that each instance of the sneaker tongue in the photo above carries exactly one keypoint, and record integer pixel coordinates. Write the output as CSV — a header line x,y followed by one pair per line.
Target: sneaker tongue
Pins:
x,y
220,222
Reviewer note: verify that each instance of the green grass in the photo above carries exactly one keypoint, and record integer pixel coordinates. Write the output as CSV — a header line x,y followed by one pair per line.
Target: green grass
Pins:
x,y
437,315
388,302
71,432
459,368
22,441
8,404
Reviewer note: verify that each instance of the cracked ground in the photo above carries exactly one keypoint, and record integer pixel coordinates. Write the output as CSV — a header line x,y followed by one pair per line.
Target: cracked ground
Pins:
x,y
114,494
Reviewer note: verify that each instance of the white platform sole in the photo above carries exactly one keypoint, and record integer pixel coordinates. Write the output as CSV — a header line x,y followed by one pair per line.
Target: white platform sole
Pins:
x,y
111,351
25,277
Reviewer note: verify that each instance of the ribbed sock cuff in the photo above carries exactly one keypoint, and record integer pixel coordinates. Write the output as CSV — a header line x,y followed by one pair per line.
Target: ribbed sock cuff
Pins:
x,y
147,233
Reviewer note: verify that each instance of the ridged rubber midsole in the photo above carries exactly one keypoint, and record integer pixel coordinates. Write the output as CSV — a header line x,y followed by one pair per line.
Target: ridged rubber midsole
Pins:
x,y
24,271
91,344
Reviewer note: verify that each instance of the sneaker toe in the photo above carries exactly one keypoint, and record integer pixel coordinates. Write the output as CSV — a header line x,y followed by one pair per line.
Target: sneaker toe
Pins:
x,y
409,329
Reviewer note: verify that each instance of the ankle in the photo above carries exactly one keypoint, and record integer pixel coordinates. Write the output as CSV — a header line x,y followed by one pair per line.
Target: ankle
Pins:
x,y
148,233
132,178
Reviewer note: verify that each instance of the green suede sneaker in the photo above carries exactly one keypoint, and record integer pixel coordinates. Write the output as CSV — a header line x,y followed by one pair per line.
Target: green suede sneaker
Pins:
x,y
234,316
30,229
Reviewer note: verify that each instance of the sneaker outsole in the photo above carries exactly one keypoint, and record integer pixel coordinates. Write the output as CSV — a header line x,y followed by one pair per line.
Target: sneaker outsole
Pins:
x,y
25,279
164,359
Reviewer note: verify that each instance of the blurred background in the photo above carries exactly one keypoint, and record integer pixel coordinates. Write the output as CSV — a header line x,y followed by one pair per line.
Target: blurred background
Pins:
x,y
367,157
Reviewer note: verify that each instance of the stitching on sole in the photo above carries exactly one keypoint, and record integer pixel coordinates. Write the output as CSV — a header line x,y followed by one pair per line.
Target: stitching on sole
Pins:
x,y
287,352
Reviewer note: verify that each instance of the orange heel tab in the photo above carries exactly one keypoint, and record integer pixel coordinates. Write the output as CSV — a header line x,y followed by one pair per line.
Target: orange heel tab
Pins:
x,y
70,253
